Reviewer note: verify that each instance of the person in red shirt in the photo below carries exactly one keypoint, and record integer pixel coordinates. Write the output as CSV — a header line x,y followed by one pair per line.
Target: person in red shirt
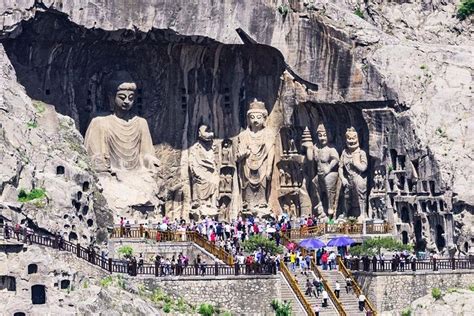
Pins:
x,y
213,237
324,260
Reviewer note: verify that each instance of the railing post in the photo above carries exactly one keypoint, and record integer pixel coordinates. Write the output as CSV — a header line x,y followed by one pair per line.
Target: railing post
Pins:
x,y
453,263
78,250
236,268
216,268
435,268
157,268
110,265
413,264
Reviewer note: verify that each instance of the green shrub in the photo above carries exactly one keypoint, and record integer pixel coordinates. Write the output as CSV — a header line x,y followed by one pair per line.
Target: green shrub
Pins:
x,y
32,124
283,9
281,309
471,287
259,242
85,284
167,308
206,309
436,293
126,251
25,196
465,9
106,281
359,12
406,312
39,106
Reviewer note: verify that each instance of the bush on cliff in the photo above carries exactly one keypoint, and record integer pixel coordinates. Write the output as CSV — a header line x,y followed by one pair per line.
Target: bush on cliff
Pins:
x,y
466,8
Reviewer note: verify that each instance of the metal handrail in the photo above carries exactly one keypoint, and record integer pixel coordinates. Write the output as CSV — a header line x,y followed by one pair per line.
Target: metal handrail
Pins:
x,y
355,284
337,303
294,286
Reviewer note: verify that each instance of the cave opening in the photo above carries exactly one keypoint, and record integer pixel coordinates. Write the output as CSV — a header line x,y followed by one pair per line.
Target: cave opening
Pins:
x,y
32,268
405,238
38,294
66,65
7,283
440,240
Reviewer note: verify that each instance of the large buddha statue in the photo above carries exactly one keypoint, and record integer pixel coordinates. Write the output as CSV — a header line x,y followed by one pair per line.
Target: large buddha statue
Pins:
x,y
255,155
327,160
352,167
120,140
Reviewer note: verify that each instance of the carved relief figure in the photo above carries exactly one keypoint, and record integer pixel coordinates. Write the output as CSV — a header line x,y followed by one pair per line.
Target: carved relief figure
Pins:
x,y
352,166
226,152
326,180
203,168
120,140
379,182
255,154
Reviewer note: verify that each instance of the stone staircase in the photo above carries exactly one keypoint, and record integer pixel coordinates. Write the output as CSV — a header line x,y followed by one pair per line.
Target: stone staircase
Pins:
x,y
348,300
330,310
288,296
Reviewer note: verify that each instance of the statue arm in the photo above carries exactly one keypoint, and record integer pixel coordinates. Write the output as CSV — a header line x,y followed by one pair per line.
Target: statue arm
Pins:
x,y
95,145
146,147
271,157
361,163
334,160
345,182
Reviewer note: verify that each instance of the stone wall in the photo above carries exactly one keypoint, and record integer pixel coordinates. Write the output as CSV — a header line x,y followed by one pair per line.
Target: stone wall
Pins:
x,y
395,291
242,296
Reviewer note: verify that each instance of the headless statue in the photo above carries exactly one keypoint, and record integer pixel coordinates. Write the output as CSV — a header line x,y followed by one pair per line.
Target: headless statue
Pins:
x,y
120,140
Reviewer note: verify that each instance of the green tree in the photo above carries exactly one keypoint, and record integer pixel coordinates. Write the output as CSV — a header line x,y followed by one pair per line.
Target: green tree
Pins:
x,y
259,242
375,245
126,251
466,8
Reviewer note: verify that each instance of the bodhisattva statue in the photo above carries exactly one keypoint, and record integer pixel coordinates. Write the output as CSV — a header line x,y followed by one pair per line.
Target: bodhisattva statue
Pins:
x,y
203,168
326,180
352,166
120,140
255,154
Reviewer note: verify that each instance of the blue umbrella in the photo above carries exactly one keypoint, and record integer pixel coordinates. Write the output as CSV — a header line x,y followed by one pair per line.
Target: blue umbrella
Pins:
x,y
312,243
341,241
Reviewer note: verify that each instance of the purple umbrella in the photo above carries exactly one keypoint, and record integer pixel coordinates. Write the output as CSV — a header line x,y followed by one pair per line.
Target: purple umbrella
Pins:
x,y
341,241
312,243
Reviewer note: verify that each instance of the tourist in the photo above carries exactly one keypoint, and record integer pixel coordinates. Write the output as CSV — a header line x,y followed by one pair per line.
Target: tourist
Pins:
x,y
17,231
317,286
316,310
332,260
337,289
293,261
361,302
128,229
324,260
325,298
309,287
348,284
6,231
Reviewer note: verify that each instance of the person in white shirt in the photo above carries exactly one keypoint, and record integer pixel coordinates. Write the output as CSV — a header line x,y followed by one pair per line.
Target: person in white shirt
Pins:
x,y
361,302
325,298
337,289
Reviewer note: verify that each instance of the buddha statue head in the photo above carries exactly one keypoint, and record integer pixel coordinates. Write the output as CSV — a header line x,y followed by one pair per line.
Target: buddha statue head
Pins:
x,y
121,92
205,134
352,140
322,135
256,115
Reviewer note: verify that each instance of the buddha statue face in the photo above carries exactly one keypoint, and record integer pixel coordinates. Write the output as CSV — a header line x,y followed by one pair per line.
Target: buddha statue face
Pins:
x,y
257,120
352,141
125,96
322,135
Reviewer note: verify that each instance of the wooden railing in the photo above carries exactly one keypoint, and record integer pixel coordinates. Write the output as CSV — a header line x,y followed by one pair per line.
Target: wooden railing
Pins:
x,y
294,286
346,229
174,236
337,303
402,265
134,268
357,290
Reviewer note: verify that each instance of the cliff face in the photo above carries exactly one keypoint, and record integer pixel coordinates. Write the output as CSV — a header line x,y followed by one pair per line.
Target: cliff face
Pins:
x,y
395,74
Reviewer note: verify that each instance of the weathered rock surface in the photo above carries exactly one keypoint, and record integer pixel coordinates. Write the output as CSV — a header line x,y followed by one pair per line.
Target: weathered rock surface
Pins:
x,y
42,149
453,302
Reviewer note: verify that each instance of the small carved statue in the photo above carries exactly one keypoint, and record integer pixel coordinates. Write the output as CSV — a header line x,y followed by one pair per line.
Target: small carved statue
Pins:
x,y
120,140
203,168
326,180
255,154
226,152
379,181
352,166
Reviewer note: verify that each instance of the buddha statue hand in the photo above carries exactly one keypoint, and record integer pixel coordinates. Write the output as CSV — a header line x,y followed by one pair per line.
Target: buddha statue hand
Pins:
x,y
150,161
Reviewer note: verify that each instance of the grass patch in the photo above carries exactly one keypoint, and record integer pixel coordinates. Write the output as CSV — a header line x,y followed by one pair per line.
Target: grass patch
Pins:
x,y
471,287
39,106
32,124
406,312
25,196
283,9
106,281
359,12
